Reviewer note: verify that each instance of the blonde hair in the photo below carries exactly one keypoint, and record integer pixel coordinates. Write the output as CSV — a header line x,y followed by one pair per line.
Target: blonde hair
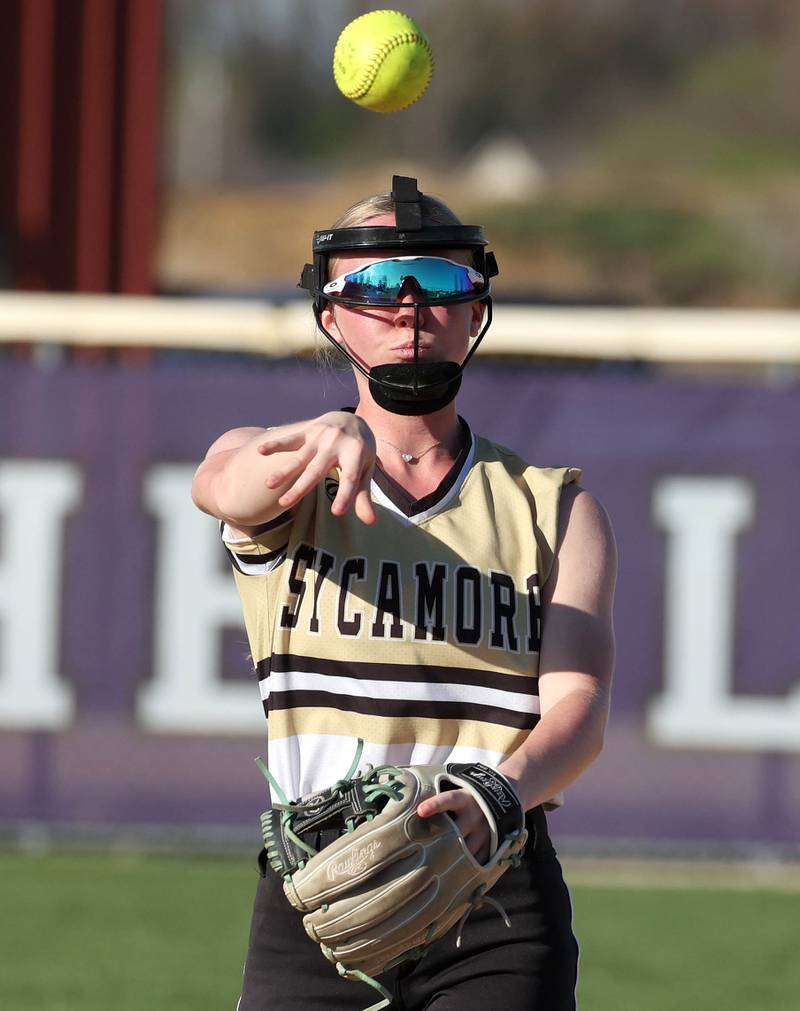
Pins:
x,y
434,211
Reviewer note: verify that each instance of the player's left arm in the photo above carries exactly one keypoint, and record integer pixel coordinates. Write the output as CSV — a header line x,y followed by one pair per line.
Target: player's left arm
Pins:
x,y
575,668
576,662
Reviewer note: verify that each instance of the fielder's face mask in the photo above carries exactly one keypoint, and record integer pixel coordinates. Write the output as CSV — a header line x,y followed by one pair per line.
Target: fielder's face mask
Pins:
x,y
411,388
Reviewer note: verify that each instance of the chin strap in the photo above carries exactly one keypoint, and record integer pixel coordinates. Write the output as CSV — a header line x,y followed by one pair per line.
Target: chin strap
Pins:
x,y
411,388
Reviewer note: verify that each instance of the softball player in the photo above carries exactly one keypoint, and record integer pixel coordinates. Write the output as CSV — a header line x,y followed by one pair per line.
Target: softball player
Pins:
x,y
410,583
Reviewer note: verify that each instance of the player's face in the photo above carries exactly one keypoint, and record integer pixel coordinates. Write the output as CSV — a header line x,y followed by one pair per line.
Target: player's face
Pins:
x,y
380,335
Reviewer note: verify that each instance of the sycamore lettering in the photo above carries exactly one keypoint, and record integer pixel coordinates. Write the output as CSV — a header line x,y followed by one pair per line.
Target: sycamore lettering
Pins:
x,y
434,602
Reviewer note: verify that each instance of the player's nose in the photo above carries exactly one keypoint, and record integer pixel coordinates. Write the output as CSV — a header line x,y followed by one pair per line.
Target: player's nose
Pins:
x,y
404,314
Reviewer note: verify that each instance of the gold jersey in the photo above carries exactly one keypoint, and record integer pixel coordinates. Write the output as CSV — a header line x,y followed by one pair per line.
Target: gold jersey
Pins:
x,y
419,634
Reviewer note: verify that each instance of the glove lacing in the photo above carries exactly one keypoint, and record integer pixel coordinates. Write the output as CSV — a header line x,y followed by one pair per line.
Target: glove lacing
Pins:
x,y
384,781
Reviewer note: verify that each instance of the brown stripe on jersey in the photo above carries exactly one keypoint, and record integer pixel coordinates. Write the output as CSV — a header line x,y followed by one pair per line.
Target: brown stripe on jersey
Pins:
x,y
434,709
284,663
267,556
387,730
264,528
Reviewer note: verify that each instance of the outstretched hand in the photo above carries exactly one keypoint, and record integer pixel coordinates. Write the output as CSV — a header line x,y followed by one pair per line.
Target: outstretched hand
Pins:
x,y
464,810
338,439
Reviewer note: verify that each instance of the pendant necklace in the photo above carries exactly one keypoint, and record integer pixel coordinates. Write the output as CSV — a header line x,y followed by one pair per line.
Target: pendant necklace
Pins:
x,y
410,457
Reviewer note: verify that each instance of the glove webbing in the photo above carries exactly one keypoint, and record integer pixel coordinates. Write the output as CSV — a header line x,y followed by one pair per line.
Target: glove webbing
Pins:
x,y
345,805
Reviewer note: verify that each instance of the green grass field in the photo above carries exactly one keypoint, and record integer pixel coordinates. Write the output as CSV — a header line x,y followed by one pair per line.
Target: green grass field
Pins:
x,y
81,932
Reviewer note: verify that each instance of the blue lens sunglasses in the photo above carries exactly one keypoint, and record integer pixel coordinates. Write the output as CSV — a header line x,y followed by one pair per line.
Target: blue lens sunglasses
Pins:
x,y
436,279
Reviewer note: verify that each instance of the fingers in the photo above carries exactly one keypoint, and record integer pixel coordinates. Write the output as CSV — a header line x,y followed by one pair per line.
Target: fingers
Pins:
x,y
289,471
281,442
450,800
362,498
478,845
356,463
364,507
354,492
311,452
348,485
311,475
469,818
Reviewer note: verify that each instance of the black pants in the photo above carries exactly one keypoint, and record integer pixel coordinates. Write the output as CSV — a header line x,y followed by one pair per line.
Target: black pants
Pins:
x,y
530,967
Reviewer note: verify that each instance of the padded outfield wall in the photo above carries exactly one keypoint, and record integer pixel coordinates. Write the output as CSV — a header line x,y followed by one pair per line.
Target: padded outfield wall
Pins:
x,y
126,696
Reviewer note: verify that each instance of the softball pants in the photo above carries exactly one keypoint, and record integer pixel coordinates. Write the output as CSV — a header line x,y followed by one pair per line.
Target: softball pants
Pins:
x,y
531,966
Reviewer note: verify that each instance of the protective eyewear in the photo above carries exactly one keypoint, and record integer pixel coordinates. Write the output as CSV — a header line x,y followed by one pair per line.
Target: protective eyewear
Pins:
x,y
434,278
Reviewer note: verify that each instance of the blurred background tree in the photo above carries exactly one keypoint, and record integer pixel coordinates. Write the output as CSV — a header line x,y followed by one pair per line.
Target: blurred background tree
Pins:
x,y
642,151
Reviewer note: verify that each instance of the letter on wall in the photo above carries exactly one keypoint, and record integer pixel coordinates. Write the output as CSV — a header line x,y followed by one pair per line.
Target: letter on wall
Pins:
x,y
35,498
195,600
703,517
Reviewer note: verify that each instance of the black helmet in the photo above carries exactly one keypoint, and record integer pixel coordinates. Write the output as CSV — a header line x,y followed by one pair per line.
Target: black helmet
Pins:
x,y
416,387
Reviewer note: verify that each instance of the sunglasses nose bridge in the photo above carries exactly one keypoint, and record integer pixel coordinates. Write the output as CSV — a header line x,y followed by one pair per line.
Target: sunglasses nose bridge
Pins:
x,y
408,292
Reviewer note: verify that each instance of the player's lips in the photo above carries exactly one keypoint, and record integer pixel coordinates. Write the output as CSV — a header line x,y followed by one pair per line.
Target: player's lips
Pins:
x,y
406,351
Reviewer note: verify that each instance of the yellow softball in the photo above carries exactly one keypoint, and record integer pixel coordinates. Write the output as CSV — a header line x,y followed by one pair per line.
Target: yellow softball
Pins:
x,y
383,61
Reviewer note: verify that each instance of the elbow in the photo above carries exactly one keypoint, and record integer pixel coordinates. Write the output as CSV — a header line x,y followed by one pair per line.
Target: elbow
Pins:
x,y
228,504
596,746
595,721
224,504
211,494
239,506
201,492
598,735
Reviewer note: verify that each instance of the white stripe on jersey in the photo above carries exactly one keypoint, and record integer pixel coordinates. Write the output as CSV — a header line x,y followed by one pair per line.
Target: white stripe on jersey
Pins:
x,y
259,568
410,690
252,565
326,757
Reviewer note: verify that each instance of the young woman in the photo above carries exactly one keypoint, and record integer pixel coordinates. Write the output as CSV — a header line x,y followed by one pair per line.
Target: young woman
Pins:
x,y
409,583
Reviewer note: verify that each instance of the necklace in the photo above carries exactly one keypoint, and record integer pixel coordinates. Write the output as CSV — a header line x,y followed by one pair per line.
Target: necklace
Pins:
x,y
410,457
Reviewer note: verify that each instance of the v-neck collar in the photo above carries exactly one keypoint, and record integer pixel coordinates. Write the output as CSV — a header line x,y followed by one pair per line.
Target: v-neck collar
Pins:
x,y
391,494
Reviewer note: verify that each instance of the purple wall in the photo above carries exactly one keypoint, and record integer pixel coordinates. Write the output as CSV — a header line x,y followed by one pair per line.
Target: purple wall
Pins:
x,y
114,423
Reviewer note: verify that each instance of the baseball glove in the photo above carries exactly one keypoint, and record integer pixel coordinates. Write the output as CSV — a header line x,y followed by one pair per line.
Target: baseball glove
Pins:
x,y
390,882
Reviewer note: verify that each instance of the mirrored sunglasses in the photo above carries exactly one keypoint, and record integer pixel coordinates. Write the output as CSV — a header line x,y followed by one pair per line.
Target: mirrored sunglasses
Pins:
x,y
436,278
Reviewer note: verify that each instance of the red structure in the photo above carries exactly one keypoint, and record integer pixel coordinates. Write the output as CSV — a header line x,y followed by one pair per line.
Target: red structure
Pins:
x,y
80,122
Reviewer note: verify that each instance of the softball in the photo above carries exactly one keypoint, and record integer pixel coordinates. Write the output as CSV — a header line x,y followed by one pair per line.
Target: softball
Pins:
x,y
383,61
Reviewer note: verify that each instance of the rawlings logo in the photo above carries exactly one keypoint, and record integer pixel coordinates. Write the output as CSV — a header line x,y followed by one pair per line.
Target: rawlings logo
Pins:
x,y
354,863
313,799
494,786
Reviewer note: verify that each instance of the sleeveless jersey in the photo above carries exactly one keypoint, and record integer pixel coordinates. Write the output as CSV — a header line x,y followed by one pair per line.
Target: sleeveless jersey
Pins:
x,y
419,634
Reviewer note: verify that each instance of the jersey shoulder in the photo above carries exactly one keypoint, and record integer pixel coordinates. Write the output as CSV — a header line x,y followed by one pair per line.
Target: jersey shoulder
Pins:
x,y
537,490
542,479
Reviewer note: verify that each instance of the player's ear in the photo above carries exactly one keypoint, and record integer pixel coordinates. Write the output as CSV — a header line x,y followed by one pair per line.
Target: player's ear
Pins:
x,y
476,319
329,321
